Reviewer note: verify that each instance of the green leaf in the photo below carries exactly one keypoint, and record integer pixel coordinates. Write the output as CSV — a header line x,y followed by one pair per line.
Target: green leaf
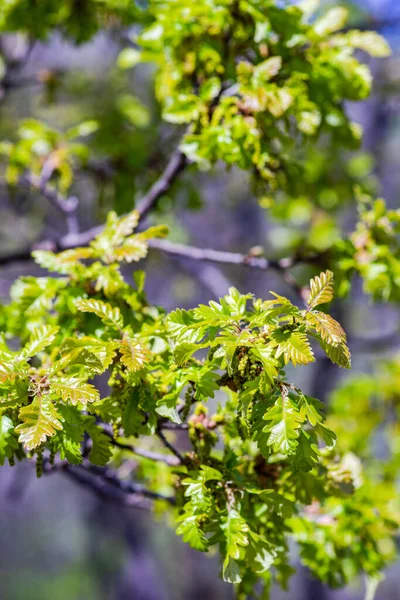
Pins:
x,y
331,21
128,58
340,355
206,383
41,338
284,421
294,347
307,453
75,390
133,416
329,329
368,41
166,406
326,434
132,250
312,409
236,532
35,295
9,371
110,316
134,355
101,451
8,442
265,354
183,108
191,533
260,554
87,351
64,262
68,441
266,70
183,352
321,289
181,323
40,420
230,571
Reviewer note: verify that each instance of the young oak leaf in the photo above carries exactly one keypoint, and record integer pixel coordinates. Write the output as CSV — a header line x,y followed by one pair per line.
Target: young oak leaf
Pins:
x,y
321,289
8,442
284,421
294,347
134,355
236,532
340,354
132,250
40,420
191,533
101,446
64,262
87,351
9,371
307,453
74,390
110,316
40,338
329,329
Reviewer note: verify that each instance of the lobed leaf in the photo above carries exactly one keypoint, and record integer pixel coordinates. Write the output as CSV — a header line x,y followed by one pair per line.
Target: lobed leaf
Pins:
x,y
40,420
321,289
111,316
75,390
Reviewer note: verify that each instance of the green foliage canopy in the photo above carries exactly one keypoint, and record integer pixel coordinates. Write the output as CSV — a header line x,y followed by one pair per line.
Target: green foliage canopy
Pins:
x,y
257,86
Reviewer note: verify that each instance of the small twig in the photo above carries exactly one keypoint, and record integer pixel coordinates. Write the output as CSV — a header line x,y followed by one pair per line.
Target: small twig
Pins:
x,y
170,447
176,164
67,206
172,461
128,487
173,426
106,483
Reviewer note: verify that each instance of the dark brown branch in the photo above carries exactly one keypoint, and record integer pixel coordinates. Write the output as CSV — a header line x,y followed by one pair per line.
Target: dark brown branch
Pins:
x,y
220,256
175,165
170,446
125,486
235,258
106,484
67,206
172,461
189,252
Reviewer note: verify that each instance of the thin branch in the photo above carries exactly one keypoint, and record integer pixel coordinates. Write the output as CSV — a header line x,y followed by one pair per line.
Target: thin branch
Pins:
x,y
170,447
67,206
106,484
128,487
175,165
173,426
172,461
219,256
189,252
235,258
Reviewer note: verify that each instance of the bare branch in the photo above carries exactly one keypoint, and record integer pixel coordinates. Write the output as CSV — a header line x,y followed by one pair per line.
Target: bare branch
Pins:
x,y
170,447
172,461
106,484
282,265
67,206
128,487
176,164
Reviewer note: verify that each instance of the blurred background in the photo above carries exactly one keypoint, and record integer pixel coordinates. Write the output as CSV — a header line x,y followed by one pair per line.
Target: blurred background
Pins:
x,y
58,541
